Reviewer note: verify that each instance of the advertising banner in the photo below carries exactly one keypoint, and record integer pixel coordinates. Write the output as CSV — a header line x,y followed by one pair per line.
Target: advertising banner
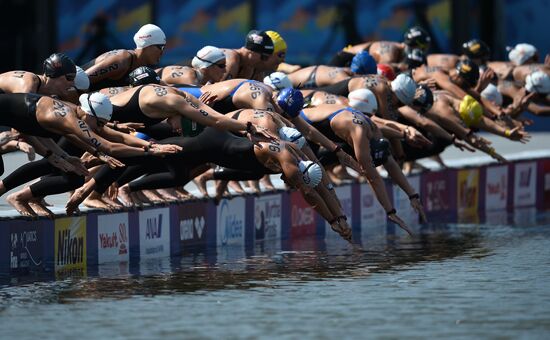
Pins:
x,y
525,181
496,188
467,197
154,233
267,217
112,238
302,217
437,192
231,222
26,245
70,246
193,225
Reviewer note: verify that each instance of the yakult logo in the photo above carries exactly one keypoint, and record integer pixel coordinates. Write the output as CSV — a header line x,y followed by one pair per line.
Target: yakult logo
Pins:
x,y
525,177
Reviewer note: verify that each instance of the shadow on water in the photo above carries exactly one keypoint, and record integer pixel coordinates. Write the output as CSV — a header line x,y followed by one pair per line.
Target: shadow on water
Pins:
x,y
310,259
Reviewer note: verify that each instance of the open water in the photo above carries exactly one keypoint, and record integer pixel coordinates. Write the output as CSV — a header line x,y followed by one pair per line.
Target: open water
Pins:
x,y
450,281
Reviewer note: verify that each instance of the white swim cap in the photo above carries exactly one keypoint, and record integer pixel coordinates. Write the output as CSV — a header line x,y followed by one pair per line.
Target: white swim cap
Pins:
x,y
96,104
404,88
292,135
492,93
521,53
81,81
207,56
149,35
363,100
538,82
278,81
311,173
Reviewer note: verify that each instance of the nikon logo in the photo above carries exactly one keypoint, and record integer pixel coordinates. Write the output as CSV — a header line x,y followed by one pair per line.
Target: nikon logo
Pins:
x,y
70,250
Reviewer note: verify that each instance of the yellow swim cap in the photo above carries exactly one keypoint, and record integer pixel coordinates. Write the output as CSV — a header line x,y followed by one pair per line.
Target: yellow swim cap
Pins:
x,y
278,42
470,111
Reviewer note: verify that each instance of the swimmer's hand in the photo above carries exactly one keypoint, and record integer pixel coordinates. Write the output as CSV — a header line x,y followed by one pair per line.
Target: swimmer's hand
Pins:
x,y
519,135
129,127
260,132
415,138
208,98
416,204
112,162
7,136
462,146
79,167
341,226
64,165
164,149
397,220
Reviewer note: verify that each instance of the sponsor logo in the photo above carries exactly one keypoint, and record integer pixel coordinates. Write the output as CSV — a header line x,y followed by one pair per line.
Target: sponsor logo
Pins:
x,y
525,177
232,224
23,252
190,227
267,217
154,233
436,197
70,249
496,188
525,186
467,190
70,246
112,237
302,216
154,227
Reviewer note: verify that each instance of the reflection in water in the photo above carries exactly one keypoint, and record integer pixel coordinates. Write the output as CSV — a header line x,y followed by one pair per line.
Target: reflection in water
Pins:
x,y
310,260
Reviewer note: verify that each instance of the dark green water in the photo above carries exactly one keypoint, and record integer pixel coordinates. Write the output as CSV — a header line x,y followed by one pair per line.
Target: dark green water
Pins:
x,y
458,281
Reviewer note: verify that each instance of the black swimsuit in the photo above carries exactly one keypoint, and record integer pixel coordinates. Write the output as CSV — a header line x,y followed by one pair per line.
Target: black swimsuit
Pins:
x,y
131,112
18,110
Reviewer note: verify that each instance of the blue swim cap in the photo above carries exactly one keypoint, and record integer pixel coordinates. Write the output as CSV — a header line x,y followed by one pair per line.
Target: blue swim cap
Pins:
x,y
141,135
363,63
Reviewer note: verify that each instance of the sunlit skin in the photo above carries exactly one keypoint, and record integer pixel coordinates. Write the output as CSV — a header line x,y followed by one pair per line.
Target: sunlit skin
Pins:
x,y
118,63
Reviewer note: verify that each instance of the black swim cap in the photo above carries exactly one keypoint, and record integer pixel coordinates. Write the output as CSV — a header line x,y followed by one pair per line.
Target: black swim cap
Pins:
x,y
58,64
475,48
143,75
468,70
259,41
415,57
379,150
416,36
423,97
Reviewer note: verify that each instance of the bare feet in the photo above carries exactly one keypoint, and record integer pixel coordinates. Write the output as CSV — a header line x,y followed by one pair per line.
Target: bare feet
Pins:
x,y
153,196
184,194
167,194
266,181
94,200
22,207
201,181
125,194
40,208
237,187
